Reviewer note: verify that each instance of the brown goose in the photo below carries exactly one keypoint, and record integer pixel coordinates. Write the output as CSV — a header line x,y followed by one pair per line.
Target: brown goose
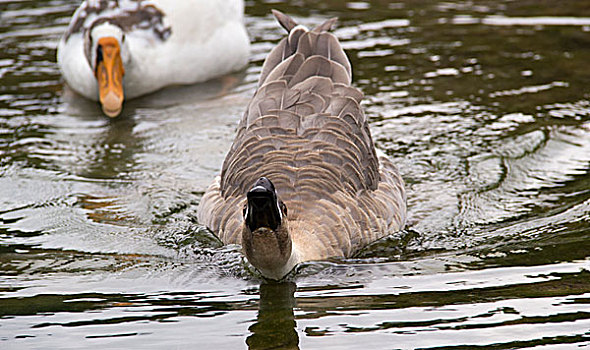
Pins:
x,y
302,180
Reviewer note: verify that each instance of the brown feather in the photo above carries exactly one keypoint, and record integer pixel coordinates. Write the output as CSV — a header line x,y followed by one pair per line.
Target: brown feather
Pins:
x,y
304,130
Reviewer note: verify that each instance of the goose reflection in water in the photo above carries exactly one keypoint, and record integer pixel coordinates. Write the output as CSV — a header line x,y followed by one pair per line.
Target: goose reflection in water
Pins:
x,y
275,326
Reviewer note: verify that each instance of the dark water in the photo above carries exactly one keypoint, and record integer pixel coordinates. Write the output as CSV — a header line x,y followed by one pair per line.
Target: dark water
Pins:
x,y
484,105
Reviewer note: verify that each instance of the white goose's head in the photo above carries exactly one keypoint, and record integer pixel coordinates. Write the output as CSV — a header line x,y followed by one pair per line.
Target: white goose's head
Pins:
x,y
107,54
265,235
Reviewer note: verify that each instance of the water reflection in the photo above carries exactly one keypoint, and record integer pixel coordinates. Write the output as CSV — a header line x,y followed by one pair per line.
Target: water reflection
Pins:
x,y
110,153
275,326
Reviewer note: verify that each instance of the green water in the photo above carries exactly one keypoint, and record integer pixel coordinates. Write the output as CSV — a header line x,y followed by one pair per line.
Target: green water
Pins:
x,y
484,105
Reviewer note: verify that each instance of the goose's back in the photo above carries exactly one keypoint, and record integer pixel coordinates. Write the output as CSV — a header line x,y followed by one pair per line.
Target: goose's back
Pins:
x,y
304,129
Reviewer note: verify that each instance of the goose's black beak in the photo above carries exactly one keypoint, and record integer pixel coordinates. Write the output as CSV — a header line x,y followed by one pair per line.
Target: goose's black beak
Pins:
x,y
263,208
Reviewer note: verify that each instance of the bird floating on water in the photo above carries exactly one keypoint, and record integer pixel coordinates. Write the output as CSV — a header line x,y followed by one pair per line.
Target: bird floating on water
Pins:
x,y
121,49
303,180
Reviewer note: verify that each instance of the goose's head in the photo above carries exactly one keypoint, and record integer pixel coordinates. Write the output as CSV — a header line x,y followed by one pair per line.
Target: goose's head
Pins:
x,y
107,54
265,234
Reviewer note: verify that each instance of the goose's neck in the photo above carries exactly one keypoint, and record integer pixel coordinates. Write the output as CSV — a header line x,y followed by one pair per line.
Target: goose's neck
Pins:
x,y
270,251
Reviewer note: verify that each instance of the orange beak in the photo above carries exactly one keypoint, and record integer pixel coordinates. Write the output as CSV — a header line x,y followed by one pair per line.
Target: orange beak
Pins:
x,y
109,74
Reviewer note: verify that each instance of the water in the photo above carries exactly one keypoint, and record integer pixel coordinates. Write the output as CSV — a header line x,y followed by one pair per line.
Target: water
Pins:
x,y
484,105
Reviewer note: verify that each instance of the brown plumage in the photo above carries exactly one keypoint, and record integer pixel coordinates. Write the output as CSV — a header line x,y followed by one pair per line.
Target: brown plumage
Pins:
x,y
305,131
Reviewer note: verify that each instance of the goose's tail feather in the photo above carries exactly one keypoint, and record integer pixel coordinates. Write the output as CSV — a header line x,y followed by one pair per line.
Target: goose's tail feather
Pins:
x,y
292,53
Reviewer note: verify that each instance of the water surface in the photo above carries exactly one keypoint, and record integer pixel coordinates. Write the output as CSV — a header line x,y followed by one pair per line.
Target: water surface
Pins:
x,y
484,106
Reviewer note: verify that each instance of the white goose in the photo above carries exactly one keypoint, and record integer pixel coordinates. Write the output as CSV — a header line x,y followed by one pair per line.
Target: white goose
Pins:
x,y
116,49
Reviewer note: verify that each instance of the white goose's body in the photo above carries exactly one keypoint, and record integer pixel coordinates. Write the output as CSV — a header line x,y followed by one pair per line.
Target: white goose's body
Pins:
x,y
162,42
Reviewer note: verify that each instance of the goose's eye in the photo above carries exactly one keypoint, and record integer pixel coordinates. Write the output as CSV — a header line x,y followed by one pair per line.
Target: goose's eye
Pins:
x,y
99,57
283,208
